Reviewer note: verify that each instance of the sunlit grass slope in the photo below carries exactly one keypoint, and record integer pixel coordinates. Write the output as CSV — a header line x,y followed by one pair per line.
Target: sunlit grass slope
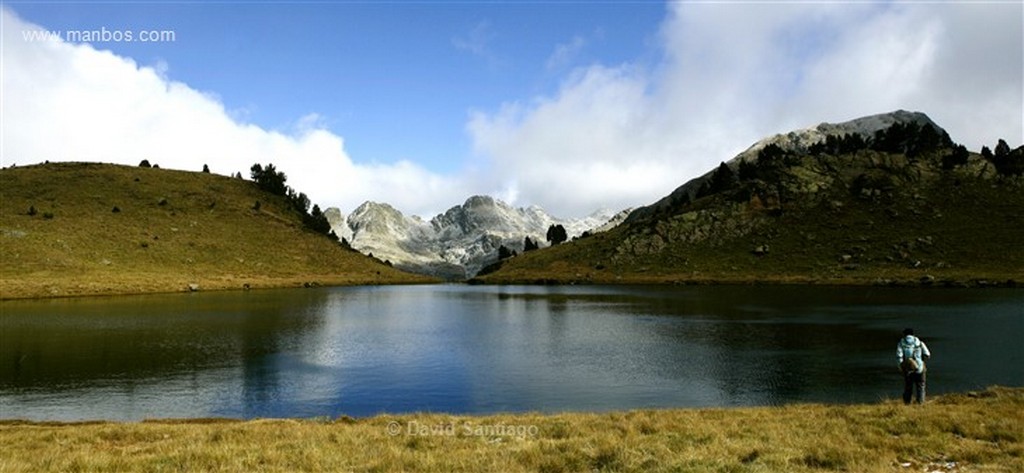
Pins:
x,y
108,229
977,432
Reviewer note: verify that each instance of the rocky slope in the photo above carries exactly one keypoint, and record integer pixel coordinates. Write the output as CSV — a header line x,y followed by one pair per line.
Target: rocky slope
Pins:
x,y
882,199
798,142
457,243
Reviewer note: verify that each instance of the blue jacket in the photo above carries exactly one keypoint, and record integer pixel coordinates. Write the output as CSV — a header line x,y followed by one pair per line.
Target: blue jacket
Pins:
x,y
913,347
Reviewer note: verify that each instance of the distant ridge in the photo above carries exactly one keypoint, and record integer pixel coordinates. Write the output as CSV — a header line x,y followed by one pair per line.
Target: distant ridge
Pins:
x,y
461,241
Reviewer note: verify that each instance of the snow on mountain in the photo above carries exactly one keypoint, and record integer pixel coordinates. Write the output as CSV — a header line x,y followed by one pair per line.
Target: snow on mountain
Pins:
x,y
457,243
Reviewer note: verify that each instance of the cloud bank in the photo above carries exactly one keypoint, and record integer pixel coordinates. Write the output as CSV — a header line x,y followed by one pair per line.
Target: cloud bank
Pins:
x,y
734,73
71,102
611,136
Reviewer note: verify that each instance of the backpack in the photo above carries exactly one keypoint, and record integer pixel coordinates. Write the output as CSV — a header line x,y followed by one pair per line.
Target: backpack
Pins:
x,y
910,363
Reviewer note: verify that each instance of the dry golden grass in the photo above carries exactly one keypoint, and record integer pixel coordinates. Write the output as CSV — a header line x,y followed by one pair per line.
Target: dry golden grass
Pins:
x,y
977,432
171,229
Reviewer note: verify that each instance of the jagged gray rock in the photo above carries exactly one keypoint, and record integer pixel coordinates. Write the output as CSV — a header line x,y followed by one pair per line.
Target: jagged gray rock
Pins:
x,y
458,243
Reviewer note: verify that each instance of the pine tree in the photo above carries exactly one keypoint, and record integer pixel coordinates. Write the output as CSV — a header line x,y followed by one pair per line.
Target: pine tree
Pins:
x,y
1002,149
529,245
556,234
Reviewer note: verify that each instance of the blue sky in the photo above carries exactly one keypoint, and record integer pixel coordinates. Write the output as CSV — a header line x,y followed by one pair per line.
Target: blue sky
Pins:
x,y
396,79
574,106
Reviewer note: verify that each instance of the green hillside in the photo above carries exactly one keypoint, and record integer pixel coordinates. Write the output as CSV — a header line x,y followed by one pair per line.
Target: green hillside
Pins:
x,y
78,229
914,209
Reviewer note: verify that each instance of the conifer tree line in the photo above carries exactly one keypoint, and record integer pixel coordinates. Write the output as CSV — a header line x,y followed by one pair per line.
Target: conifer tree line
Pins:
x,y
910,139
269,179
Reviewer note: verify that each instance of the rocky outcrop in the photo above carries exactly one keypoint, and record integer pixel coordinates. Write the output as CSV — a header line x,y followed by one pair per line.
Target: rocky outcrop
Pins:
x,y
461,241
811,177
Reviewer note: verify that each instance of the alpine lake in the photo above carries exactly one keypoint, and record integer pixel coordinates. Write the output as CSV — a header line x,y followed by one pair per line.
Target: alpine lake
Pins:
x,y
360,351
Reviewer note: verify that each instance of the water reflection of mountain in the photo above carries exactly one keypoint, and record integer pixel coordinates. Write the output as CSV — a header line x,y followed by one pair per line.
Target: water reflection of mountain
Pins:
x,y
78,343
360,351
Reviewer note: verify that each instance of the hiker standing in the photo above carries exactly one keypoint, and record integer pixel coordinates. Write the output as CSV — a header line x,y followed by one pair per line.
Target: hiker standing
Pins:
x,y
912,352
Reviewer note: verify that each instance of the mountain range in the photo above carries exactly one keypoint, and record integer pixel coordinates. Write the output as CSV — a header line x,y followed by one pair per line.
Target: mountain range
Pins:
x,y
458,243
884,199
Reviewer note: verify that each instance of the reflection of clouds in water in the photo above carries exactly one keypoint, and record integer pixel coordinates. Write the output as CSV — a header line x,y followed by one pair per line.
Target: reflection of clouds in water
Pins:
x,y
379,349
360,351
577,348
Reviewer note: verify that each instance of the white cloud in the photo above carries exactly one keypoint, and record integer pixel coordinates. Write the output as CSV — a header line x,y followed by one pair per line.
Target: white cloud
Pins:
x,y
618,136
69,102
611,136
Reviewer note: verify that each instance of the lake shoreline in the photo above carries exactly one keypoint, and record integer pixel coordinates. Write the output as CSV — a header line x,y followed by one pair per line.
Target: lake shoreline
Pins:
x,y
976,430
233,284
12,292
962,283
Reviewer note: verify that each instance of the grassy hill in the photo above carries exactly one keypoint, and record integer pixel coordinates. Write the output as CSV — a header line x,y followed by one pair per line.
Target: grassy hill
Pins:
x,y
108,229
843,214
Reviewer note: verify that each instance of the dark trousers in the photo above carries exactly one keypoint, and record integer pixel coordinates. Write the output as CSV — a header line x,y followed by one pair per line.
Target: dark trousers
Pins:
x,y
911,381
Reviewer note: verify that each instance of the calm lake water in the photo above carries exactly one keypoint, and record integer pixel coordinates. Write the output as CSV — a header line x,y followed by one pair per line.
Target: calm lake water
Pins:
x,y
472,349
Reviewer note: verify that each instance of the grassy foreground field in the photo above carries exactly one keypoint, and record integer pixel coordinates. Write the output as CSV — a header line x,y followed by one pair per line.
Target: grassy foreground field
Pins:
x,y
69,229
982,431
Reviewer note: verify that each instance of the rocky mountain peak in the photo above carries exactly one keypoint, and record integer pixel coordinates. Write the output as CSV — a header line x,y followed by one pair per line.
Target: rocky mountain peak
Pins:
x,y
481,201
797,141
376,217
801,140
457,243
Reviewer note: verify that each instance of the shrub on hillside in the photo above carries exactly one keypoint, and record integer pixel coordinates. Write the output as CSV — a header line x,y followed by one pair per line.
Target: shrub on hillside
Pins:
x,y
958,157
556,234
505,253
1008,162
529,245
910,139
317,221
839,144
721,180
269,179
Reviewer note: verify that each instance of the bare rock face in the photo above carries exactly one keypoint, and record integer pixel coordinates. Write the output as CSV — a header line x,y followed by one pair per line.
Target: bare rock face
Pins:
x,y
458,243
